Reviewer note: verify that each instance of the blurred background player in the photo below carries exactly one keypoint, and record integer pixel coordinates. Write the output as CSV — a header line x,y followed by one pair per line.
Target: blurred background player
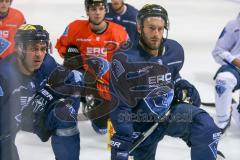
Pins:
x,y
227,79
186,120
10,20
92,38
125,15
23,88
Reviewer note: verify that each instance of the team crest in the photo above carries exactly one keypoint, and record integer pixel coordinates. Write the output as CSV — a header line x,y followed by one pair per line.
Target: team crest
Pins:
x,y
4,45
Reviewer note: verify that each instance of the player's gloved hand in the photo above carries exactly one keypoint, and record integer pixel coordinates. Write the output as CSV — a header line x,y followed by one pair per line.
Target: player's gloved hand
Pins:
x,y
121,145
62,76
72,58
183,90
75,78
35,114
238,108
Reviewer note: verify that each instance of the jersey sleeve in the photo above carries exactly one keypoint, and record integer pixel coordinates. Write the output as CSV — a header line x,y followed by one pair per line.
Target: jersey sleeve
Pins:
x,y
181,59
63,42
122,34
125,36
176,56
22,19
224,44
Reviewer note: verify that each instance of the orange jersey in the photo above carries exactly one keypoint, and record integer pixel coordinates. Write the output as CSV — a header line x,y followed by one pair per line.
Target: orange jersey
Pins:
x,y
79,34
8,28
89,44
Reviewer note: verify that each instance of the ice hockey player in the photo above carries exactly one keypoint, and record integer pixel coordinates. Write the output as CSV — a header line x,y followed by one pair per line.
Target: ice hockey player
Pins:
x,y
125,15
27,102
11,19
226,53
93,38
147,94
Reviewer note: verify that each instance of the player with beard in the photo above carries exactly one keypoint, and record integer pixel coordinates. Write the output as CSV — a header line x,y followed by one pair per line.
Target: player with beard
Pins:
x,y
125,15
92,38
142,77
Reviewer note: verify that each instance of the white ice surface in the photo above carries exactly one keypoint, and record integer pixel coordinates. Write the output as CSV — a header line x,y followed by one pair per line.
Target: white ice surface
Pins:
x,y
196,24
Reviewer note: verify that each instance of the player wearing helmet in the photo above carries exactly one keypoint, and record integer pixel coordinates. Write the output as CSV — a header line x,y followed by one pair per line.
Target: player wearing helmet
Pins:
x,y
26,100
11,19
93,38
142,77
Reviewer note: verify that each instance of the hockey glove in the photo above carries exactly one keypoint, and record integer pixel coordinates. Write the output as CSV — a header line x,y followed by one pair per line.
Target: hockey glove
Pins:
x,y
238,108
35,114
74,78
62,80
121,145
72,58
183,91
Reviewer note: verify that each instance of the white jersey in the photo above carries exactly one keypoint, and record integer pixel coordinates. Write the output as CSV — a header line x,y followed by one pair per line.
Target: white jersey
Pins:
x,y
228,44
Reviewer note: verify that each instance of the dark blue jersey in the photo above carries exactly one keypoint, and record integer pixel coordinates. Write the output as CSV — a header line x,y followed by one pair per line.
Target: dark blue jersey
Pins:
x,y
17,89
173,58
127,20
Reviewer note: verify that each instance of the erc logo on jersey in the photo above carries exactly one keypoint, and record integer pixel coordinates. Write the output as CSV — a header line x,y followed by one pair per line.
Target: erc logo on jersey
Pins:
x,y
153,80
96,51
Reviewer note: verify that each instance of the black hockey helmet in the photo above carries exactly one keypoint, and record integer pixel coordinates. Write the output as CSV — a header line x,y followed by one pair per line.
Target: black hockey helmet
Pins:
x,y
29,32
153,10
95,2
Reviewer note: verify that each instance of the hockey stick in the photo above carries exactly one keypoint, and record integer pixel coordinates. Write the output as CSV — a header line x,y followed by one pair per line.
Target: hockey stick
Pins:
x,y
146,134
212,104
208,104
